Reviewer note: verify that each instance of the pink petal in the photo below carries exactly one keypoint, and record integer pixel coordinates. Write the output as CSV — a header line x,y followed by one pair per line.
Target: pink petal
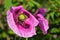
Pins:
x,y
43,24
18,29
41,11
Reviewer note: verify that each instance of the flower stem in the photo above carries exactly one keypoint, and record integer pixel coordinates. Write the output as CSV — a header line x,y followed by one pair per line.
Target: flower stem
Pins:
x,y
26,38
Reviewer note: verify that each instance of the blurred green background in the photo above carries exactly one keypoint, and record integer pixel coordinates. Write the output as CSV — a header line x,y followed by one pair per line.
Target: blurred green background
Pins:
x,y
53,16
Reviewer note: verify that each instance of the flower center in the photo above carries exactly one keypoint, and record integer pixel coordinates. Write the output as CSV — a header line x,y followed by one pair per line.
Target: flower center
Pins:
x,y
22,17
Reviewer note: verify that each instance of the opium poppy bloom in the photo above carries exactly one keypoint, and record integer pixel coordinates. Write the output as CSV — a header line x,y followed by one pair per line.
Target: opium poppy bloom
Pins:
x,y
21,22
43,23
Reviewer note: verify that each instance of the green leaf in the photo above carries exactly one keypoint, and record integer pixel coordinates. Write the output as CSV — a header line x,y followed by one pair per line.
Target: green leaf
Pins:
x,y
20,0
58,1
54,30
3,35
10,32
14,0
48,8
48,17
25,6
30,4
58,14
52,15
36,3
7,4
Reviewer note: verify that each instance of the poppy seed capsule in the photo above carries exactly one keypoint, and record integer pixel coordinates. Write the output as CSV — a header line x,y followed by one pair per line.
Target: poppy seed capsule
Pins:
x,y
22,17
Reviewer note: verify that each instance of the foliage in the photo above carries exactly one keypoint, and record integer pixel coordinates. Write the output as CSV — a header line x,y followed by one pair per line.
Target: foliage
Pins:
x,y
52,15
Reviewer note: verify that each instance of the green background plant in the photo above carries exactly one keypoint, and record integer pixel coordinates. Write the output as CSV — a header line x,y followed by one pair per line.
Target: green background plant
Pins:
x,y
52,15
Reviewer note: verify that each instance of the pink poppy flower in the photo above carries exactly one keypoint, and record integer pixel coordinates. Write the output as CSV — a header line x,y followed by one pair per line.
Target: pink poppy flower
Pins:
x,y
43,23
21,22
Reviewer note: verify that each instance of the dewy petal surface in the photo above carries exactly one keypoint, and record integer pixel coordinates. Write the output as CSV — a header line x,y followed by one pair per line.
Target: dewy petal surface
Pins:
x,y
17,26
43,23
